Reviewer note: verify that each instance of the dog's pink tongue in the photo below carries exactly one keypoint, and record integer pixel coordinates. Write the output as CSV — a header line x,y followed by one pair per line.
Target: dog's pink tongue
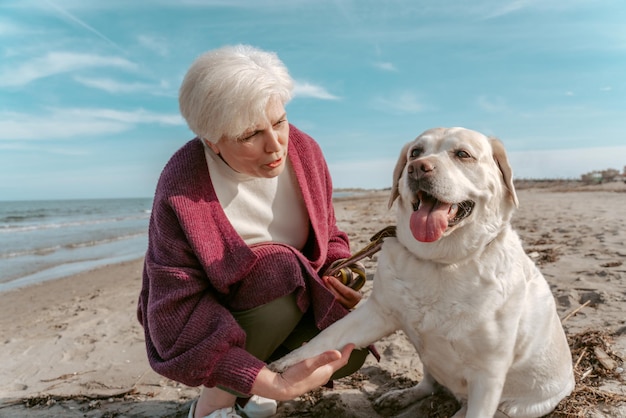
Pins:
x,y
430,221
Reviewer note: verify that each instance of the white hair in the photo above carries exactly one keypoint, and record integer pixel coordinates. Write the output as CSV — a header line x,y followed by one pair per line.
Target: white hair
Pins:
x,y
226,90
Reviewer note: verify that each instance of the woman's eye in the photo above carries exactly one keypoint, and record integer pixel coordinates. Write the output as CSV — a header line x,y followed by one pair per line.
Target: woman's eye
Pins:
x,y
247,136
280,122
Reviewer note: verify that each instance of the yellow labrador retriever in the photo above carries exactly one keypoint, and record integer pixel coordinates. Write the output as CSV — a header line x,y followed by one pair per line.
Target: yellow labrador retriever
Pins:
x,y
456,280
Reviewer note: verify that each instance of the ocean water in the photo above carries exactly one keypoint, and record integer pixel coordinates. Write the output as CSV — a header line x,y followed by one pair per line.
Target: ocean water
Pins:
x,y
44,240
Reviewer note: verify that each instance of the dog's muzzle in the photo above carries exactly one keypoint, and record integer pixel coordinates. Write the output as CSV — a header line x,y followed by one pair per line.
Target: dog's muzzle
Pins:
x,y
431,217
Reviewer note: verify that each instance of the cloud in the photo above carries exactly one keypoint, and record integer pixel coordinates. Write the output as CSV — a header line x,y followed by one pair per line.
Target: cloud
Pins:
x,y
115,87
405,102
308,90
139,116
36,148
505,8
154,44
72,18
54,63
492,105
566,163
385,66
8,28
72,123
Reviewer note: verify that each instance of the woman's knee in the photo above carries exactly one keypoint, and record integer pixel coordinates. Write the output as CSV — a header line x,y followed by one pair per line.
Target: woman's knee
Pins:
x,y
267,326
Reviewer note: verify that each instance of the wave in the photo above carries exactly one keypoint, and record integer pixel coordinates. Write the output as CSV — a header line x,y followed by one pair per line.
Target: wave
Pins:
x,y
75,245
22,218
5,229
103,241
36,251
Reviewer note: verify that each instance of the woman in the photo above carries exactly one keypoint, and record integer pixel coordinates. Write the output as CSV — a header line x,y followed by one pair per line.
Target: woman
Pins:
x,y
241,231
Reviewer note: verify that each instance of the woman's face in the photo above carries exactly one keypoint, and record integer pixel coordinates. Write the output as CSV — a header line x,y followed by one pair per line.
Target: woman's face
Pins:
x,y
260,151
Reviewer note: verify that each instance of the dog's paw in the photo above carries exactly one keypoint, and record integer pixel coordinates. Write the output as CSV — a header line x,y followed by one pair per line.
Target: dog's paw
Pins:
x,y
463,411
402,398
278,366
395,399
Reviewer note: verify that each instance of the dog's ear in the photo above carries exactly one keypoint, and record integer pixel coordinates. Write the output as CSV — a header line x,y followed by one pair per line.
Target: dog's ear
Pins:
x,y
499,155
397,173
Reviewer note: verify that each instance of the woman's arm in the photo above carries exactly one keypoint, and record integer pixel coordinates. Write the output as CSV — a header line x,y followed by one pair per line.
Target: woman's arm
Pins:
x,y
190,336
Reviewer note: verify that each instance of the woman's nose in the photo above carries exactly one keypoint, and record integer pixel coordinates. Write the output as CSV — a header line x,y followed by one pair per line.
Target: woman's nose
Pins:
x,y
272,141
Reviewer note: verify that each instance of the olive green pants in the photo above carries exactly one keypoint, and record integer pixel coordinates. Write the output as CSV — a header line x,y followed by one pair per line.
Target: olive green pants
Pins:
x,y
278,327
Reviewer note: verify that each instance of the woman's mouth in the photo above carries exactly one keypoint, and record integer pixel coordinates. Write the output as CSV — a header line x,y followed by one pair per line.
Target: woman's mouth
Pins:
x,y
275,163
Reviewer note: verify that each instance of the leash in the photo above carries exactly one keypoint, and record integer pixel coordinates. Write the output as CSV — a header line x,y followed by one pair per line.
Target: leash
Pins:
x,y
345,269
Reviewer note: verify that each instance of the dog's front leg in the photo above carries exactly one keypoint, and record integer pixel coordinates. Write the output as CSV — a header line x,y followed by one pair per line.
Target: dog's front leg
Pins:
x,y
484,392
361,327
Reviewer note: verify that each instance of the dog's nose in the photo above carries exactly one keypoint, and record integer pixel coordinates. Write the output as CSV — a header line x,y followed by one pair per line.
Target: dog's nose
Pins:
x,y
426,166
422,167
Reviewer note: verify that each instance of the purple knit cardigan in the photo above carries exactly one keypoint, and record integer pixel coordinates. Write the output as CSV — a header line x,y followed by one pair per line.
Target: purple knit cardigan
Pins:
x,y
197,269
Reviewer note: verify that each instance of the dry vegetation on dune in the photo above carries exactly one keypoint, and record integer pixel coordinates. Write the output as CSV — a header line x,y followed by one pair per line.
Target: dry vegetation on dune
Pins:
x,y
594,363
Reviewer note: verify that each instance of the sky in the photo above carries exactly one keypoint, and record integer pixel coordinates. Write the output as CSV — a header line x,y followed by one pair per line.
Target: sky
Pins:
x,y
89,89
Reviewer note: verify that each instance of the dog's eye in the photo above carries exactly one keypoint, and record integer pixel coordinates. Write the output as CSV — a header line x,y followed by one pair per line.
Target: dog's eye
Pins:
x,y
416,152
463,154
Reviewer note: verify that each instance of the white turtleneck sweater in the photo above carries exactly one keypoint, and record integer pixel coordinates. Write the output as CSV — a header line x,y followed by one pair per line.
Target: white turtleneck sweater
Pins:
x,y
260,209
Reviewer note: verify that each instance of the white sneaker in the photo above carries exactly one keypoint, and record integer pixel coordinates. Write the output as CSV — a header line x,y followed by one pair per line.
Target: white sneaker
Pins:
x,y
259,407
220,413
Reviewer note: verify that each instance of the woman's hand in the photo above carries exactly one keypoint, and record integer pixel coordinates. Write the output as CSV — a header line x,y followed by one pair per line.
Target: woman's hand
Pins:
x,y
302,377
347,296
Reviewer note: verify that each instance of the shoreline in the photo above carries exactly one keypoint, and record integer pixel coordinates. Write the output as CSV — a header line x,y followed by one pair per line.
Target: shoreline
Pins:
x,y
63,271
49,239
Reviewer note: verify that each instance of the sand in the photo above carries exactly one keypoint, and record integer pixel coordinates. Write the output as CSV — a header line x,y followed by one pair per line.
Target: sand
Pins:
x,y
73,347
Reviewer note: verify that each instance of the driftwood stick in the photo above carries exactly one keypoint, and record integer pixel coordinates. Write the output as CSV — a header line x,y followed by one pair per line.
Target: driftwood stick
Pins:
x,y
575,311
607,362
67,376
580,357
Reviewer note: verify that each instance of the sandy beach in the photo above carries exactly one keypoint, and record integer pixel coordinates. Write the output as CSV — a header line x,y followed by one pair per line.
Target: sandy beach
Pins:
x,y
72,347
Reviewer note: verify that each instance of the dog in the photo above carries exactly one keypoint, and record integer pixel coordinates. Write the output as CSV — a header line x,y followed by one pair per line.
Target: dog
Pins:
x,y
458,283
